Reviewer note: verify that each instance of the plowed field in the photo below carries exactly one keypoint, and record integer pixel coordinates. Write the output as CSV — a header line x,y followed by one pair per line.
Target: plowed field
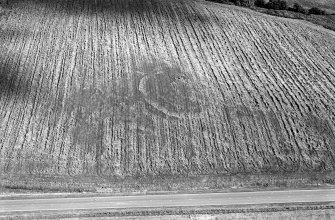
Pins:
x,y
129,88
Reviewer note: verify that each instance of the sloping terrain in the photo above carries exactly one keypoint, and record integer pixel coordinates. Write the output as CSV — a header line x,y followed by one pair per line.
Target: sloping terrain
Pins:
x,y
162,88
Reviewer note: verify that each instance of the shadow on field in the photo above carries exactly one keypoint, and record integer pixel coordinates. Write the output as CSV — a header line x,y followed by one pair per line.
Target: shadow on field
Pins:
x,y
75,7
11,84
160,8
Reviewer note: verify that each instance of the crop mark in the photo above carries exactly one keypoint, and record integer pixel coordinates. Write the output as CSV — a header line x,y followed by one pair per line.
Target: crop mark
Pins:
x,y
167,90
319,126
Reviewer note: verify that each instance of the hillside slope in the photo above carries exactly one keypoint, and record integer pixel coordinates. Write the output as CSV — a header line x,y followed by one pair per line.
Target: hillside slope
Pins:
x,y
162,88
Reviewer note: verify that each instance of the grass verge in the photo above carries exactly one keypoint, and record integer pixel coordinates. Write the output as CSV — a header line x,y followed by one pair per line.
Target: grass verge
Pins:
x,y
165,211
159,184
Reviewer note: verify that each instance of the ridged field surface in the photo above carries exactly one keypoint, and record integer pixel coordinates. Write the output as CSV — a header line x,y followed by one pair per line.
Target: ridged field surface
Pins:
x,y
150,87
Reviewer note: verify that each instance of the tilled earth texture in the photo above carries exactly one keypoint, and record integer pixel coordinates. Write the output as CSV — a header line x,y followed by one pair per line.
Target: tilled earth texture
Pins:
x,y
147,87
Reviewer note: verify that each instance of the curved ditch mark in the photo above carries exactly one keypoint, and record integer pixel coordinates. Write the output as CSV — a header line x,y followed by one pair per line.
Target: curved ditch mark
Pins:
x,y
167,91
153,106
88,108
242,119
162,93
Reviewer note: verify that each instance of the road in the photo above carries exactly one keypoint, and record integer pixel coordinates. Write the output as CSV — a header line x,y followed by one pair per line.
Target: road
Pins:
x,y
170,200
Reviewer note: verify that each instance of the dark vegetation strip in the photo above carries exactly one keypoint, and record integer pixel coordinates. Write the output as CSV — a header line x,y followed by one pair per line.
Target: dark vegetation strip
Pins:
x,y
281,8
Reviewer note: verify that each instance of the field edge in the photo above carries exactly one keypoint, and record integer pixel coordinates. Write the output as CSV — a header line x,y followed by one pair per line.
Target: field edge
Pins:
x,y
166,184
169,211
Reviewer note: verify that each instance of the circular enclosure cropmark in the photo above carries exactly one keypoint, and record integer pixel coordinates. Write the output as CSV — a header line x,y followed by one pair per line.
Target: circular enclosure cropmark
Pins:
x,y
168,90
